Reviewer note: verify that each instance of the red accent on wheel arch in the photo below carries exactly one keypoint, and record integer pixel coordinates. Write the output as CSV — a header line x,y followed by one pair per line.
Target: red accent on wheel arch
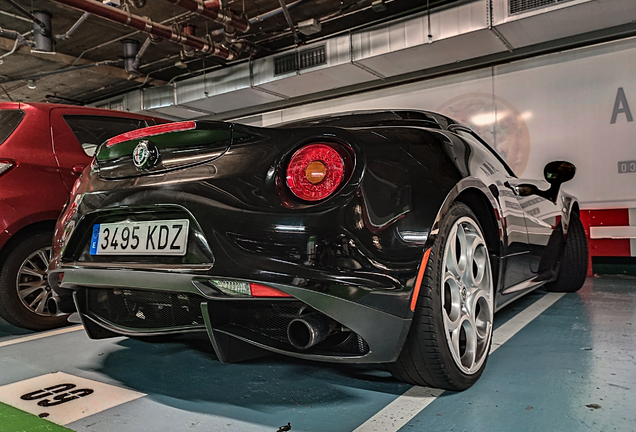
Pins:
x,y
420,276
259,290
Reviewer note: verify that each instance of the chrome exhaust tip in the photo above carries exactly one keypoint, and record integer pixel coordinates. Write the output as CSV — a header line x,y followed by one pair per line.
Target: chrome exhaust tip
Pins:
x,y
309,330
60,307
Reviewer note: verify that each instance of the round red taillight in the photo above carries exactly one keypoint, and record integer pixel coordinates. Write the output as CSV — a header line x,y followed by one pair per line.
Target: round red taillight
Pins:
x,y
315,172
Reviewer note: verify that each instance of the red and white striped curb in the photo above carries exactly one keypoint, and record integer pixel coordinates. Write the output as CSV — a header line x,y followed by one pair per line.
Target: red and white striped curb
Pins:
x,y
610,232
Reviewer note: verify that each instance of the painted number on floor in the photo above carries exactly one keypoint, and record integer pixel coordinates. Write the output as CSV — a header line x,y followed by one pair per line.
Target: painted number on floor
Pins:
x,y
57,395
63,398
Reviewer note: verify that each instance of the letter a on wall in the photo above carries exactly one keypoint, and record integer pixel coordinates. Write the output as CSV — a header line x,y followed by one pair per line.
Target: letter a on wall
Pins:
x,y
621,106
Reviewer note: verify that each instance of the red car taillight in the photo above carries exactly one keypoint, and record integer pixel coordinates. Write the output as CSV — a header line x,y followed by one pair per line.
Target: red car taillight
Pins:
x,y
236,288
5,165
316,170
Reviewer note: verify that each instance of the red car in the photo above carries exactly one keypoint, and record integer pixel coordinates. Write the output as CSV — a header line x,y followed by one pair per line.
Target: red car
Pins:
x,y
43,149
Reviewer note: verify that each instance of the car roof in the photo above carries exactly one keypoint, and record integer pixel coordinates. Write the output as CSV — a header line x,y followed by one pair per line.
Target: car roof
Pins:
x,y
74,109
371,118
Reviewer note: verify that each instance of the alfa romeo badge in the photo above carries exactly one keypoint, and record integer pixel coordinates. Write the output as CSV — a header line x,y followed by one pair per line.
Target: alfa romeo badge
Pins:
x,y
145,155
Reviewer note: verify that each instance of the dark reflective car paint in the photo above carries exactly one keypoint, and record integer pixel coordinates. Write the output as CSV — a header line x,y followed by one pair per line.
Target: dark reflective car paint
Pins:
x,y
363,245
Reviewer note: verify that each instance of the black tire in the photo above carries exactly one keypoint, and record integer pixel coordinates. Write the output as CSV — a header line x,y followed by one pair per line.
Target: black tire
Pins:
x,y
573,263
426,358
12,308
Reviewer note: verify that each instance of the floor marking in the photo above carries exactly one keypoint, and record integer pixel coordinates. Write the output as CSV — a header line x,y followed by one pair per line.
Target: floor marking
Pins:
x,y
519,321
398,413
63,398
40,335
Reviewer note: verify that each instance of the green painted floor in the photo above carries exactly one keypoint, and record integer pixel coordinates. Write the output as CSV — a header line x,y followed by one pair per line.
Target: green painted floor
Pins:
x,y
14,420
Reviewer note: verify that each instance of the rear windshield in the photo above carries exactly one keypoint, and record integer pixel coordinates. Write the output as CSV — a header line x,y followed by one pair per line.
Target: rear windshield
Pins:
x,y
9,121
91,130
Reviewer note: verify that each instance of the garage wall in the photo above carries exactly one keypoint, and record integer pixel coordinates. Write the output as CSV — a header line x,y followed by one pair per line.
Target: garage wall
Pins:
x,y
570,106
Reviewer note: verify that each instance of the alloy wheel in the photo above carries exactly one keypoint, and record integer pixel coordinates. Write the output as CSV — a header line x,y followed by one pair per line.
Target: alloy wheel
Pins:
x,y
467,295
32,282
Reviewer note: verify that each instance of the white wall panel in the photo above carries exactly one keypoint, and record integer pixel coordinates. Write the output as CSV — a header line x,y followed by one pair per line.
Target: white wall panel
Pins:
x,y
555,107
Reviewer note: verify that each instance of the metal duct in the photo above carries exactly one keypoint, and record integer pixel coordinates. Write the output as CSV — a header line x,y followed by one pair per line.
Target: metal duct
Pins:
x,y
211,9
466,31
42,34
144,24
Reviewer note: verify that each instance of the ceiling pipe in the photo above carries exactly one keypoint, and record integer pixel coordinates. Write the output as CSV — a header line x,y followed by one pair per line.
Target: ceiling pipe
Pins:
x,y
211,9
25,12
15,46
144,24
43,33
18,17
73,28
188,29
141,53
290,22
156,39
131,50
12,34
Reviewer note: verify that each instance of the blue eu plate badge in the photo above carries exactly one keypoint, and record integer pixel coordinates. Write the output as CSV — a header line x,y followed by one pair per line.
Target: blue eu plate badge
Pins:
x,y
95,239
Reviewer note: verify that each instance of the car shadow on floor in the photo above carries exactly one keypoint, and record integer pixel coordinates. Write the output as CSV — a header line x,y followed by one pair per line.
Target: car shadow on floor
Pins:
x,y
8,331
186,369
183,371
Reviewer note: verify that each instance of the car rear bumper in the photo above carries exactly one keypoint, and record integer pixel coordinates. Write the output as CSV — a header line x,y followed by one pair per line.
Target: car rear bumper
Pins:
x,y
115,302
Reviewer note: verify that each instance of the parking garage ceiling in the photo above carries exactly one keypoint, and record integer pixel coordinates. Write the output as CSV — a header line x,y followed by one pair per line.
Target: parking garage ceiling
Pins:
x,y
89,64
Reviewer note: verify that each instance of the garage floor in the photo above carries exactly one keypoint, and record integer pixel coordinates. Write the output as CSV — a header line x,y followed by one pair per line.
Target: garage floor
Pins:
x,y
562,363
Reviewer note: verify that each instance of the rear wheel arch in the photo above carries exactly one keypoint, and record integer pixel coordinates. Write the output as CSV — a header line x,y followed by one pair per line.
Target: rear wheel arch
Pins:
x,y
25,232
483,209
484,205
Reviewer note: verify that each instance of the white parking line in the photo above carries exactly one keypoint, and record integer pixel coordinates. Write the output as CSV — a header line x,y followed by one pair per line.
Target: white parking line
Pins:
x,y
398,413
41,335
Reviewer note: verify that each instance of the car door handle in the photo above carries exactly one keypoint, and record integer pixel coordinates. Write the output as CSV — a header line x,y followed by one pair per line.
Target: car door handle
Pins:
x,y
78,169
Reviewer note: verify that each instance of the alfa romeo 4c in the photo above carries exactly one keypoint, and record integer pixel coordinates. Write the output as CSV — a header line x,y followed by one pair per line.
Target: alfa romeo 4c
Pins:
x,y
370,237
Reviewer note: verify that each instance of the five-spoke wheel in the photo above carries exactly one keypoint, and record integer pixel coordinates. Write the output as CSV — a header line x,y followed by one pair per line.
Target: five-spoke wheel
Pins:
x,y
449,339
467,295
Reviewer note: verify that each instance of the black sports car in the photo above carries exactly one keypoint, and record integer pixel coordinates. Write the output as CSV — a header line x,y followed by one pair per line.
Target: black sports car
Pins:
x,y
368,237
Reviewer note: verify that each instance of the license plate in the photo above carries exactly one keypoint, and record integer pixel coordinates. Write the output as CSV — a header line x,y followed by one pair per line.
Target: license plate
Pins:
x,y
164,237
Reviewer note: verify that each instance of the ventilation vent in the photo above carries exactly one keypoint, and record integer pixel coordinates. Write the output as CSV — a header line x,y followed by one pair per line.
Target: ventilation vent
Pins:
x,y
308,58
117,104
520,6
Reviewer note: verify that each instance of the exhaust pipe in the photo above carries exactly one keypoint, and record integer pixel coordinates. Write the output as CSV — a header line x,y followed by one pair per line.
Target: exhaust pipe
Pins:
x,y
60,306
309,330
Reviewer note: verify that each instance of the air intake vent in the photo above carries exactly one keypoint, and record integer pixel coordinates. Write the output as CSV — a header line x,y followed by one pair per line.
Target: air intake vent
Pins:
x,y
520,6
308,59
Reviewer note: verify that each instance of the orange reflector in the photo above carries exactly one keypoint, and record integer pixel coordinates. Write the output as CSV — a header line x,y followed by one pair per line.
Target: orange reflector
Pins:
x,y
420,275
259,290
315,172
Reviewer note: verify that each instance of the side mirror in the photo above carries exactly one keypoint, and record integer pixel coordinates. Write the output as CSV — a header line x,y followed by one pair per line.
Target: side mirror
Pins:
x,y
558,172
